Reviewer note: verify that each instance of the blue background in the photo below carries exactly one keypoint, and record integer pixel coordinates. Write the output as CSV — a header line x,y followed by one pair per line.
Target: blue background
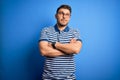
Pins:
x,y
97,20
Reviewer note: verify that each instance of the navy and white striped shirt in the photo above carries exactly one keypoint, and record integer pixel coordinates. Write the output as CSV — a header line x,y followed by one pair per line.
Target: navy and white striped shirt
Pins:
x,y
62,67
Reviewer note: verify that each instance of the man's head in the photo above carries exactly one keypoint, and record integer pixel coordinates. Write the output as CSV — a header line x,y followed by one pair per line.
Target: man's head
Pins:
x,y
63,15
64,7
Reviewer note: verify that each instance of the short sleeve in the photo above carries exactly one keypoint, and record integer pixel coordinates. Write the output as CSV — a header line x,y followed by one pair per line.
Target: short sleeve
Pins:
x,y
77,35
43,35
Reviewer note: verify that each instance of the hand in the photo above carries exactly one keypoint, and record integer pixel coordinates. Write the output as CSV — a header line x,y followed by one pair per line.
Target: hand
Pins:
x,y
50,44
73,40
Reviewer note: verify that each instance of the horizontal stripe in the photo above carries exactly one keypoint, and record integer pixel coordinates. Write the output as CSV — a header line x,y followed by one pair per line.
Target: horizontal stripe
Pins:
x,y
62,66
43,40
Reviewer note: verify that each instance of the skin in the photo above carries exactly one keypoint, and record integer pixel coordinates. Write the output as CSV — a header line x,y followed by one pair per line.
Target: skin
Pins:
x,y
46,49
63,18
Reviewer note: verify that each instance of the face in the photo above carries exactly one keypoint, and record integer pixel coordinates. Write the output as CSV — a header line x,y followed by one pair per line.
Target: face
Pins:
x,y
63,17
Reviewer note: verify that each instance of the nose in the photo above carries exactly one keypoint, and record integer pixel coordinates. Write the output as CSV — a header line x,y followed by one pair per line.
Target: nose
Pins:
x,y
64,15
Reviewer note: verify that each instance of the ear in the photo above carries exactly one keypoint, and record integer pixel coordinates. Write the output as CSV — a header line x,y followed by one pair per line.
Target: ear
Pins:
x,y
56,15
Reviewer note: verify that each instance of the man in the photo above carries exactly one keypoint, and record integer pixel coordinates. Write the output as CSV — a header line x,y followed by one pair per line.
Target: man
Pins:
x,y
58,44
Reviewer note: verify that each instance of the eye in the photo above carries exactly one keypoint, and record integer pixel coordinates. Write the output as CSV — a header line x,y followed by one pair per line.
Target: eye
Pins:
x,y
64,14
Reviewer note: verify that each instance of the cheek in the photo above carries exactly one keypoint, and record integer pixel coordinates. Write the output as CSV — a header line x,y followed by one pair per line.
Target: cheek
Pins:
x,y
68,19
58,17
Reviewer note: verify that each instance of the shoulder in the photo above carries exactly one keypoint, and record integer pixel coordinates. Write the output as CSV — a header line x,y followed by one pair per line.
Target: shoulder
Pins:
x,y
46,29
72,29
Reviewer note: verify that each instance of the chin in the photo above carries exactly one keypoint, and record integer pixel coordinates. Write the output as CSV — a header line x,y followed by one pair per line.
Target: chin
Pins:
x,y
63,24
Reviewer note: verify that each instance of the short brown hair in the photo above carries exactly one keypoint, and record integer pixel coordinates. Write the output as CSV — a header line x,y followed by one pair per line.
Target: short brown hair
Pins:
x,y
64,7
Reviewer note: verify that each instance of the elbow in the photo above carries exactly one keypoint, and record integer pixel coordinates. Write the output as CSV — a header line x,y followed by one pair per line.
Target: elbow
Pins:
x,y
43,53
77,48
76,51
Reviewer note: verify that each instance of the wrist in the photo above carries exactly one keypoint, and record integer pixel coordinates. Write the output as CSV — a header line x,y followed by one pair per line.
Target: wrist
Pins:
x,y
53,45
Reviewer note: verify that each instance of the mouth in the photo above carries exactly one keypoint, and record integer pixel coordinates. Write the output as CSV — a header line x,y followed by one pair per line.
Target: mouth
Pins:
x,y
63,20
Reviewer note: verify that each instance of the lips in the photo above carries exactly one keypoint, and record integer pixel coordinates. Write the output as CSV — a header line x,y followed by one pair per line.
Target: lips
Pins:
x,y
63,20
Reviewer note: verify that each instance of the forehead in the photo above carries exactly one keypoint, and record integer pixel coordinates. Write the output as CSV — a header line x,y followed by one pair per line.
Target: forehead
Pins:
x,y
64,10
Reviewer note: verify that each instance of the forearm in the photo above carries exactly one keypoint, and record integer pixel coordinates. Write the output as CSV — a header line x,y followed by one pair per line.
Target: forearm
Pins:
x,y
47,50
50,52
69,48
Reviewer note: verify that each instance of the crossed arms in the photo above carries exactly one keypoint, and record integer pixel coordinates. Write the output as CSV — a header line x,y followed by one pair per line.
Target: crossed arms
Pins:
x,y
60,49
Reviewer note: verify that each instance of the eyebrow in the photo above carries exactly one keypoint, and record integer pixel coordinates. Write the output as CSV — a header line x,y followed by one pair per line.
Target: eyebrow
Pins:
x,y
63,12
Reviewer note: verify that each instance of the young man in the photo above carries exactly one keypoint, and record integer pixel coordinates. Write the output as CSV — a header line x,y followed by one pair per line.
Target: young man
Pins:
x,y
58,44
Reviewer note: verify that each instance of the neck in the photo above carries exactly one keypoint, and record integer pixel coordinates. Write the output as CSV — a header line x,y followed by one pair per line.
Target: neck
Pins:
x,y
61,27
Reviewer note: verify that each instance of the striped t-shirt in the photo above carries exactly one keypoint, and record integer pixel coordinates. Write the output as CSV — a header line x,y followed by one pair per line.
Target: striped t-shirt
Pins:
x,y
62,67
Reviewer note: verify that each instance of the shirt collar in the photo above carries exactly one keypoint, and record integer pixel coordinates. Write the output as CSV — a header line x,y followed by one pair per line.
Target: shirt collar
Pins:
x,y
57,30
